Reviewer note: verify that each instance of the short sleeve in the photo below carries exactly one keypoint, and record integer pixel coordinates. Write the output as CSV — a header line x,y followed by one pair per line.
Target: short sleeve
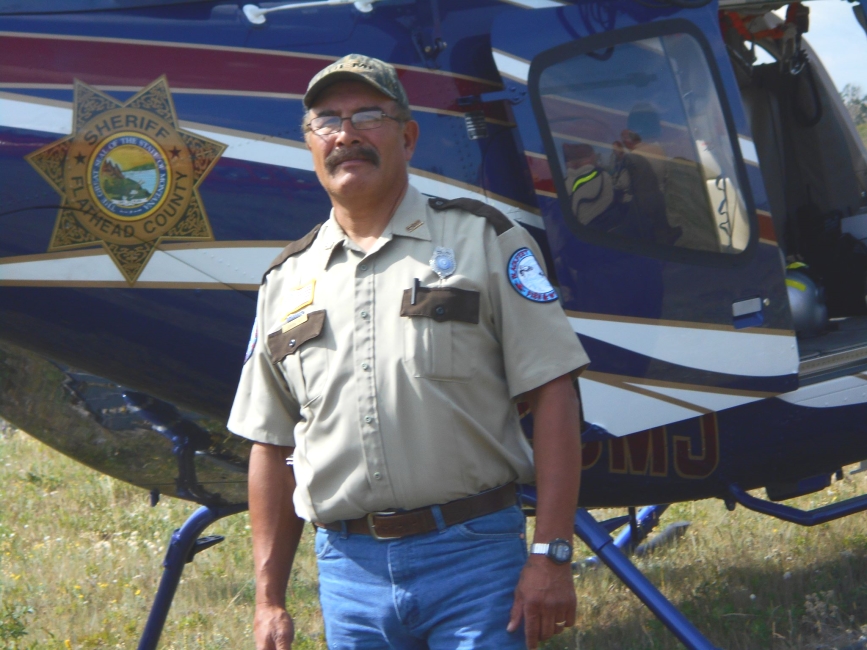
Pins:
x,y
537,339
264,410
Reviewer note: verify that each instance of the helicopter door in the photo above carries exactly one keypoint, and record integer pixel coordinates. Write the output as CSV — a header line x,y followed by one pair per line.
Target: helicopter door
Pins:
x,y
638,164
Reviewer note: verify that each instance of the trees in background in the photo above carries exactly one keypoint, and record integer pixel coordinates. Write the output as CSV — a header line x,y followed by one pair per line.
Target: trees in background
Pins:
x,y
856,103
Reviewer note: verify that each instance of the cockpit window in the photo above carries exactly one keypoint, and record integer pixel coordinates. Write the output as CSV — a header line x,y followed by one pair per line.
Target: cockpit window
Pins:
x,y
642,147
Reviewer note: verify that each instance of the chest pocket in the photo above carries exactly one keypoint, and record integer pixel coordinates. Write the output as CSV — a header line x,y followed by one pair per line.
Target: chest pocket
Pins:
x,y
301,351
439,332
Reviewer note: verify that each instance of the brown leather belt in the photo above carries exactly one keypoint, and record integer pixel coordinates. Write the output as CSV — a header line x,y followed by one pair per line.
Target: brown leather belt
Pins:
x,y
397,524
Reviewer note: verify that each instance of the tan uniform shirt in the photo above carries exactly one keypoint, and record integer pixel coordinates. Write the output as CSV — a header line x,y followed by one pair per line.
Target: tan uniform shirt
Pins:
x,y
395,405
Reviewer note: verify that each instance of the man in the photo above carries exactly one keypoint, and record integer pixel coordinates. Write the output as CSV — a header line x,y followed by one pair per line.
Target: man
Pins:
x,y
390,347
643,173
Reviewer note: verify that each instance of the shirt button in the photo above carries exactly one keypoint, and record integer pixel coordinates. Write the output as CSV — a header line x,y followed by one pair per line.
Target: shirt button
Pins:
x,y
364,314
377,475
368,419
365,366
363,267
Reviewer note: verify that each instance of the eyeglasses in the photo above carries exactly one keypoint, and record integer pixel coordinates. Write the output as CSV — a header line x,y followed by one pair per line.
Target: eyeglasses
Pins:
x,y
361,121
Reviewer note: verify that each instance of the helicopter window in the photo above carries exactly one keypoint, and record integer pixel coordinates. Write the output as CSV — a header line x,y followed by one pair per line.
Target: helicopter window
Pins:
x,y
642,146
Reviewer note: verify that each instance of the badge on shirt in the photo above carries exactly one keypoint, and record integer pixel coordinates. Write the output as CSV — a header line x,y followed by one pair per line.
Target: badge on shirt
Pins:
x,y
299,298
254,338
293,320
528,278
443,262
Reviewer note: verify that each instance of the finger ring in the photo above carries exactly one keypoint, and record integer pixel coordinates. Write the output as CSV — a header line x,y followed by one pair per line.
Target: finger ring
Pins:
x,y
560,623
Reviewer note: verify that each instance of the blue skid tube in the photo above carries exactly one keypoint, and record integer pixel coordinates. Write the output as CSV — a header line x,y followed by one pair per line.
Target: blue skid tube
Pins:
x,y
794,515
184,545
646,520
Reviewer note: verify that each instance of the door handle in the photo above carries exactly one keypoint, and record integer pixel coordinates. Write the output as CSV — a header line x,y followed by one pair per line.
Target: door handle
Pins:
x,y
747,313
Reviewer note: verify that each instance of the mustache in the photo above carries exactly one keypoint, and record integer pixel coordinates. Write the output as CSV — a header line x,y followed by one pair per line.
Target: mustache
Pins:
x,y
358,152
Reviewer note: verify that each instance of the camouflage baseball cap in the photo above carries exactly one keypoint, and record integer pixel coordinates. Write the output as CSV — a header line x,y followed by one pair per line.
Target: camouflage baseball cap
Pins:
x,y
357,67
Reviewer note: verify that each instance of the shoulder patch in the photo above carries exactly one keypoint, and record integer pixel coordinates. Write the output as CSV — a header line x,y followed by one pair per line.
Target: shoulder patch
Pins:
x,y
293,248
497,219
527,277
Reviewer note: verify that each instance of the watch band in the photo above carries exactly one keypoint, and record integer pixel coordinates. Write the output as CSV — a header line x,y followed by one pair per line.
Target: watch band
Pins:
x,y
559,551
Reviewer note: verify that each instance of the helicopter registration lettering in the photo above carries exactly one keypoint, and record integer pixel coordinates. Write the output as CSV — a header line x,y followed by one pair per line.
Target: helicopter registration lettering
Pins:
x,y
657,451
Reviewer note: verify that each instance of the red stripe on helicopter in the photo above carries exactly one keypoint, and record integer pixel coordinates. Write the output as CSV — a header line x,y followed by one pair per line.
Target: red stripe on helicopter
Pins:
x,y
766,226
541,172
58,60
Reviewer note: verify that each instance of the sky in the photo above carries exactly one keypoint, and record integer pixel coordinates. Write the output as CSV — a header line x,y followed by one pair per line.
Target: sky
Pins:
x,y
839,41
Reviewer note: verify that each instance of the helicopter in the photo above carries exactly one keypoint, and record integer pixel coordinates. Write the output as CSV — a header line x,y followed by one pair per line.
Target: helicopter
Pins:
x,y
696,185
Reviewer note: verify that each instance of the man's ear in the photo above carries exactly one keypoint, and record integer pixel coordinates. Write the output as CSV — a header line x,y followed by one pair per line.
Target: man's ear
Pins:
x,y
410,138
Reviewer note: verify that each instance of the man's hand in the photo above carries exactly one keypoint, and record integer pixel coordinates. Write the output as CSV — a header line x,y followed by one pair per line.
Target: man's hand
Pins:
x,y
545,600
273,628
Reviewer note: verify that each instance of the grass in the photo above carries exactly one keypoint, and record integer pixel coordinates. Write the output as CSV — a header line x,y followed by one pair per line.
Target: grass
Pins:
x,y
80,557
80,561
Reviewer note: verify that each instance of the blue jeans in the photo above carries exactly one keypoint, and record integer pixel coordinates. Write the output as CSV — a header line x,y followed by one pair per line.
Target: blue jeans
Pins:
x,y
451,589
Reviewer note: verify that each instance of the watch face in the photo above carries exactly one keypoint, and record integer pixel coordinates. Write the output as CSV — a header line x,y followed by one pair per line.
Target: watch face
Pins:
x,y
560,551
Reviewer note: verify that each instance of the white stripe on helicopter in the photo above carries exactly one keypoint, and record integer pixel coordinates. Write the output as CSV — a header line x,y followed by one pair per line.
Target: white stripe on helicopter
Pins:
x,y
638,411
534,4
20,112
724,351
634,411
709,401
217,267
511,66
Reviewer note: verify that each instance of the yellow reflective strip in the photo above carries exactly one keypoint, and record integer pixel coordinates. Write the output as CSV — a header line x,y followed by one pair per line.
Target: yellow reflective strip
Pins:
x,y
800,286
796,265
580,181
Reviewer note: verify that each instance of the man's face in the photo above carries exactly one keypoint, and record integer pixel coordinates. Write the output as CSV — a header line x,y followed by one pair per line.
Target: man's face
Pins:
x,y
630,138
356,164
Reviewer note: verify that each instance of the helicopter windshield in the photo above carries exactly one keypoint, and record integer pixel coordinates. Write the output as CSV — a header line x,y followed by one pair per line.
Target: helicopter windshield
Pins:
x,y
643,147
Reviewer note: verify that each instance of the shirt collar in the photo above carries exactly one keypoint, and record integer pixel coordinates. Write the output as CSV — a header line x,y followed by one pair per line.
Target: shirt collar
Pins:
x,y
332,237
409,220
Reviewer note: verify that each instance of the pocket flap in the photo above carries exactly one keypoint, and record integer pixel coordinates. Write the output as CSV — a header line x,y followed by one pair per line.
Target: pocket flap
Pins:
x,y
281,344
442,304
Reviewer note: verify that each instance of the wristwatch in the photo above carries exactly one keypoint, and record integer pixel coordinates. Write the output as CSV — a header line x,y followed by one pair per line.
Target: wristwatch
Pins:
x,y
559,551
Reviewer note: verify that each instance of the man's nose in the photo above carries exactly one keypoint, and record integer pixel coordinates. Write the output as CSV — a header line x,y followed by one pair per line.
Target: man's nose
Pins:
x,y
348,133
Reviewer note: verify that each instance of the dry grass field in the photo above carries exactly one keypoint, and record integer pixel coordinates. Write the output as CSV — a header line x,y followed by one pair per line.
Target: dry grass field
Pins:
x,y
80,558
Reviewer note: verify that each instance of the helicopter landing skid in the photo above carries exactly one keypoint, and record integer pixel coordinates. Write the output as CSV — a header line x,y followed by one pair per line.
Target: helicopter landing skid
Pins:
x,y
183,547
636,527
600,542
794,515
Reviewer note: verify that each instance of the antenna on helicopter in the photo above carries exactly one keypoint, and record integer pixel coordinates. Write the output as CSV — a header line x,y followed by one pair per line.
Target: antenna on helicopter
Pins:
x,y
257,16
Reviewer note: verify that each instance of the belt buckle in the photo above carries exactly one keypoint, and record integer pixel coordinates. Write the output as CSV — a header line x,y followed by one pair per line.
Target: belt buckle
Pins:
x,y
372,527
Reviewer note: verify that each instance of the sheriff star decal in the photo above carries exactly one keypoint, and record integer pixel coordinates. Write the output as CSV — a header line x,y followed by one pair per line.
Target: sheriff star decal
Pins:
x,y
128,177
